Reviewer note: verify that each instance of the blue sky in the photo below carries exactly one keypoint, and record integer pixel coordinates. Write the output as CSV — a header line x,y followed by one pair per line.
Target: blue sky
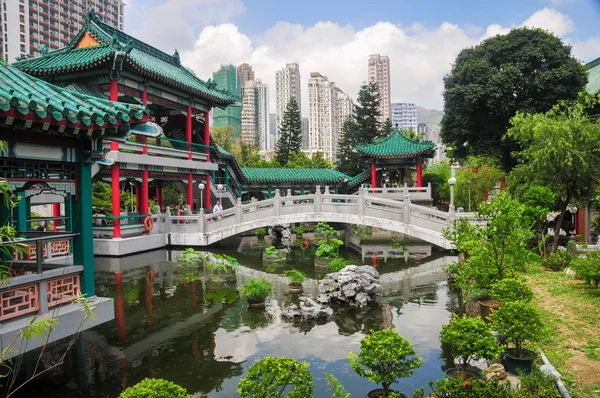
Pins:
x,y
335,37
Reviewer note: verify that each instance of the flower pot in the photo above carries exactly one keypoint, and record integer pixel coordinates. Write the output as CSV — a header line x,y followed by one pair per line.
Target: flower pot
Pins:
x,y
486,307
322,262
379,393
514,364
295,289
256,304
458,372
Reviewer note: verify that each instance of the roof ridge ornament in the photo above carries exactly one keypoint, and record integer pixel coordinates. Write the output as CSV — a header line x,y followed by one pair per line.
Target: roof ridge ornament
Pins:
x,y
43,50
90,15
211,84
176,57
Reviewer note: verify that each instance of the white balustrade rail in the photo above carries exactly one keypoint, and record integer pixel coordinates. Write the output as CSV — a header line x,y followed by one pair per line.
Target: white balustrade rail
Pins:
x,y
363,209
414,193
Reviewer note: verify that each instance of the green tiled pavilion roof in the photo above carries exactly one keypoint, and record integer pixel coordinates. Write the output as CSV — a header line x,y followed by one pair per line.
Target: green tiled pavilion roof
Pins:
x,y
397,145
359,178
139,56
593,69
276,175
27,95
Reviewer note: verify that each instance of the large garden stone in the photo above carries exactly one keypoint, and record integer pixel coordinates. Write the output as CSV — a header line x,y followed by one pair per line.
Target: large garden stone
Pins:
x,y
353,285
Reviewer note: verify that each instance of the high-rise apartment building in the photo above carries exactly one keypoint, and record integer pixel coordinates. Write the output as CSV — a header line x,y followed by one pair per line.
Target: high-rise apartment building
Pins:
x,y
287,85
28,25
249,113
345,105
244,74
324,115
262,109
305,141
424,130
226,79
379,72
404,116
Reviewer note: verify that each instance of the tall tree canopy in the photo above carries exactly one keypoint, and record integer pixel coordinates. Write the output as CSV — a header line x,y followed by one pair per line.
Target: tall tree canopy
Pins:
x,y
561,151
527,70
363,126
290,133
245,153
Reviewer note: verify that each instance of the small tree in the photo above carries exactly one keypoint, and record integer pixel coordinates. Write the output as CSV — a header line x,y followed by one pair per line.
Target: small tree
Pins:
x,y
519,322
384,357
290,132
538,203
270,377
155,388
469,338
588,268
509,289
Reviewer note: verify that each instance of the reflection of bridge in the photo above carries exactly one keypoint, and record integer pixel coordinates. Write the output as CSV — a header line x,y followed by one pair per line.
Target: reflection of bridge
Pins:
x,y
363,209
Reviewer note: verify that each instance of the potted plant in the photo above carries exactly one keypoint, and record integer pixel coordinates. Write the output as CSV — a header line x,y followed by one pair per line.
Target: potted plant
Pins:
x,y
299,230
260,233
468,338
222,269
503,291
277,377
383,358
337,264
151,388
519,322
327,250
296,279
256,291
272,255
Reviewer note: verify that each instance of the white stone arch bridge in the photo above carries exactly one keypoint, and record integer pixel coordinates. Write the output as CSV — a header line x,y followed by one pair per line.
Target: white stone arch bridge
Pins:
x,y
417,221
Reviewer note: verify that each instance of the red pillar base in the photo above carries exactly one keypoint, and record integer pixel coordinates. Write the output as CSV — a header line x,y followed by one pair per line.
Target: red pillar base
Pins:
x,y
116,194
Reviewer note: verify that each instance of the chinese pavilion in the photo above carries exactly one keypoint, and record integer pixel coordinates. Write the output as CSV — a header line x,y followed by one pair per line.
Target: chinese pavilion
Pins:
x,y
107,63
399,151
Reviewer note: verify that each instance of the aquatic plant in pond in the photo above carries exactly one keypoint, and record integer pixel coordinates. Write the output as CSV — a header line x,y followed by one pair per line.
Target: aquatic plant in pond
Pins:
x,y
257,290
271,377
384,357
191,257
337,264
296,277
260,232
469,338
223,269
328,248
272,254
299,230
155,388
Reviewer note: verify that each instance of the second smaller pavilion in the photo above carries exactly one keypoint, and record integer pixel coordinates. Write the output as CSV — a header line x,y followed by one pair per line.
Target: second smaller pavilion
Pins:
x,y
399,152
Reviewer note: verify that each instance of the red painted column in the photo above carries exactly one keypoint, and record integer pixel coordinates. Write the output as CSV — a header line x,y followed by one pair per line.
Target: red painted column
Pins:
x,y
56,213
114,90
502,185
144,199
188,136
158,194
207,191
116,193
145,95
373,175
419,174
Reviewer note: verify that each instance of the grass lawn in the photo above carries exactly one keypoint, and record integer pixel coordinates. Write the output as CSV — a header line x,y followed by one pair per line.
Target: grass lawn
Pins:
x,y
571,310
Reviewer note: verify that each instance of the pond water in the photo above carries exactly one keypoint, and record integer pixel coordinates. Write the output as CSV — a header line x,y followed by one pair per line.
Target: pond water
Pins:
x,y
202,336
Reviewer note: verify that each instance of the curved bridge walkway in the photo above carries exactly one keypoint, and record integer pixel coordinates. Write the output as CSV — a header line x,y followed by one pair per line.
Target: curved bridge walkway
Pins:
x,y
363,209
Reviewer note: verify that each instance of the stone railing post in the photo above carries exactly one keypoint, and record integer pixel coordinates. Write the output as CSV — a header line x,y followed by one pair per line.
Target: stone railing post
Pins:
x,y
238,211
326,198
360,202
277,203
168,222
318,199
202,223
384,190
406,206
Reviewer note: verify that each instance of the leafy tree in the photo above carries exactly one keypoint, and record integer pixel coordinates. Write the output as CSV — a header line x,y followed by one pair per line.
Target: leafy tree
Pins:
x,y
290,132
155,388
519,322
223,136
384,357
270,377
364,126
469,338
171,196
526,70
475,180
538,203
561,151
438,175
247,154
413,134
386,128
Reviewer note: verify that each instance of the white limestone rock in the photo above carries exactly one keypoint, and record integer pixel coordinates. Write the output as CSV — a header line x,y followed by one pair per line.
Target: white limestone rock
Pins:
x,y
352,285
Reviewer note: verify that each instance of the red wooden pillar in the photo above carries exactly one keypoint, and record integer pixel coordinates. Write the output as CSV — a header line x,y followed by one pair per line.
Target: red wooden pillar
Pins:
x,y
144,200
116,193
419,174
56,213
159,194
208,205
188,136
501,184
114,90
373,175
145,95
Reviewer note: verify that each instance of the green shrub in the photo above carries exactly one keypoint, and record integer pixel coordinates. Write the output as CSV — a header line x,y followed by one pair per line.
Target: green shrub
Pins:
x,y
260,231
328,248
384,357
537,384
469,338
270,377
519,322
510,289
459,388
296,277
299,230
155,388
337,264
257,290
588,268
558,261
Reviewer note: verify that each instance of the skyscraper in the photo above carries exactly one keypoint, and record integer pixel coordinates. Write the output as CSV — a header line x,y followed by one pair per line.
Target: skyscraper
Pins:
x,y
26,25
304,145
249,113
379,72
345,105
262,108
244,74
404,116
324,116
287,85
423,129
226,79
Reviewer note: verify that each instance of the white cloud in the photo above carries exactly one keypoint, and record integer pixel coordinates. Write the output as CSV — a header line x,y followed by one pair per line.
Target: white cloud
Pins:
x,y
551,20
420,57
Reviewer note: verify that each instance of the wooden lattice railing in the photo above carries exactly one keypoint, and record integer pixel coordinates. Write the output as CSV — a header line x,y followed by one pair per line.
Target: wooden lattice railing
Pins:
x,y
62,290
19,301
